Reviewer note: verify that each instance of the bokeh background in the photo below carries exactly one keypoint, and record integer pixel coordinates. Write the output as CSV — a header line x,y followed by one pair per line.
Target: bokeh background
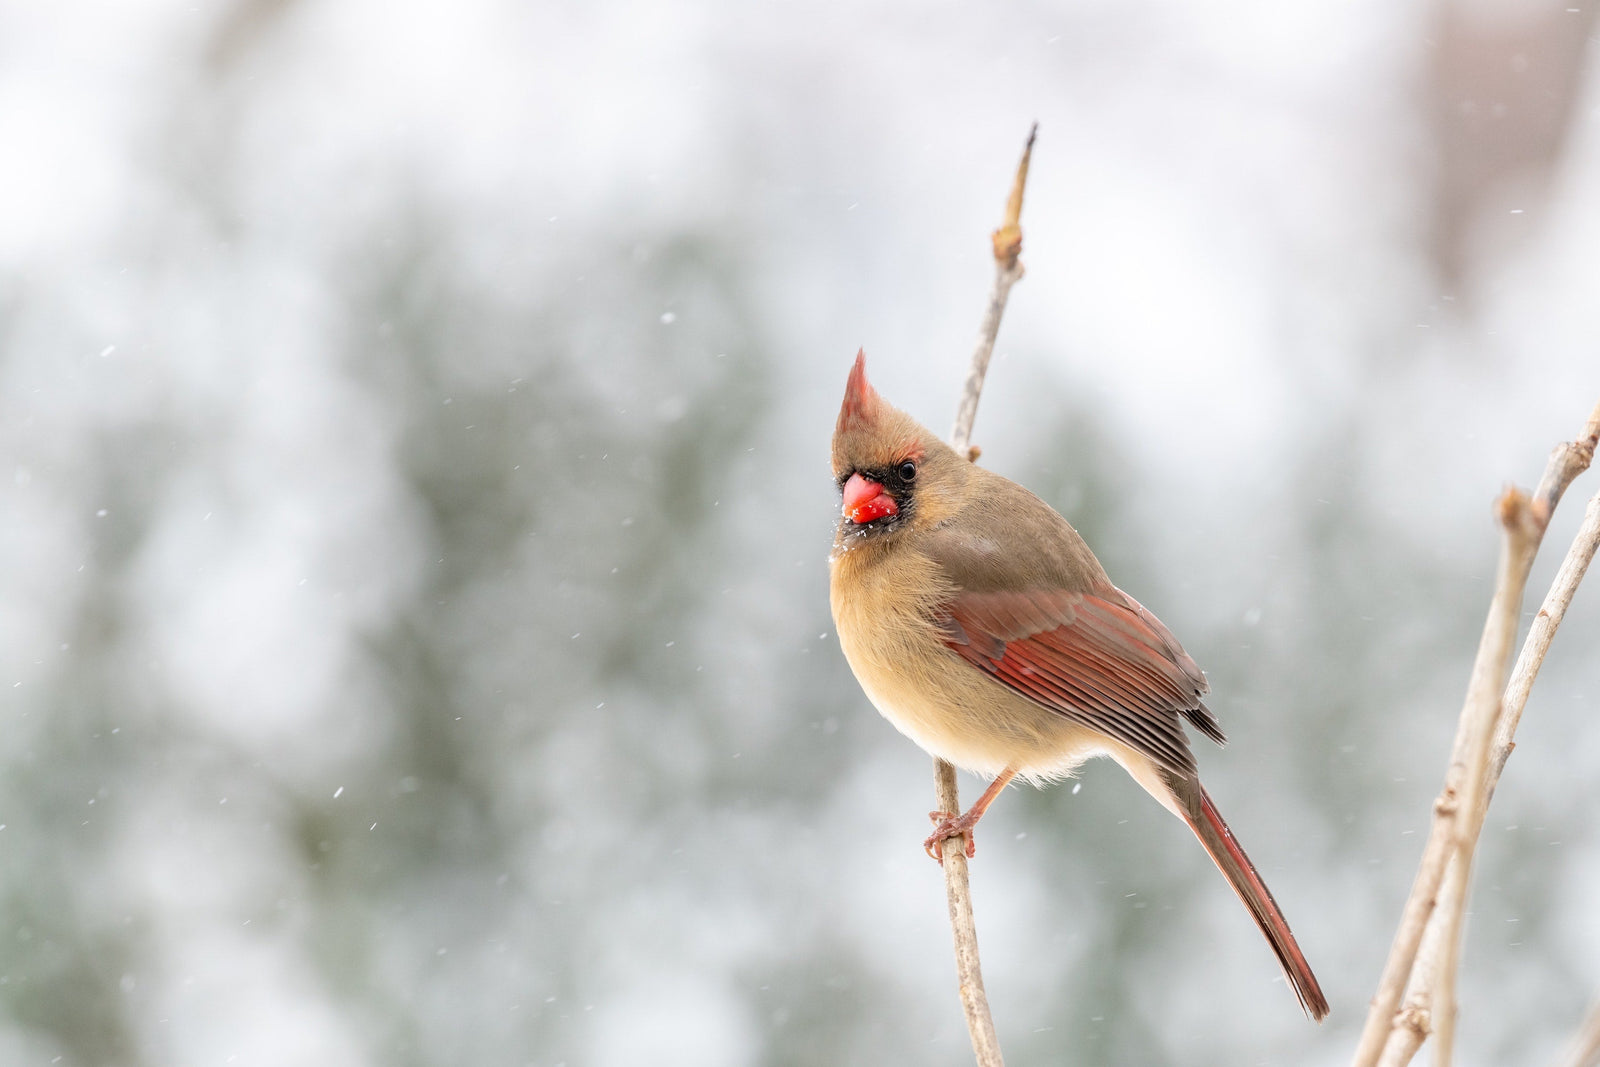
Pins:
x,y
413,617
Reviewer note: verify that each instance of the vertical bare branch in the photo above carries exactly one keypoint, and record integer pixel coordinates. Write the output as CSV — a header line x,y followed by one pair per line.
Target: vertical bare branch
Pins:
x,y
1463,779
1007,242
958,894
1572,460
1477,715
1523,533
1567,461
1445,927
1436,905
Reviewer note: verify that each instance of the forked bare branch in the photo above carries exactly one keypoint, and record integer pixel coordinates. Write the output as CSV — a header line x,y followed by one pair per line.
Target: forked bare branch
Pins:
x,y
1422,961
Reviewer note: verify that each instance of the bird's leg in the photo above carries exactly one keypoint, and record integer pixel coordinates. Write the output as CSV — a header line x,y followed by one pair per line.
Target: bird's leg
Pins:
x,y
948,824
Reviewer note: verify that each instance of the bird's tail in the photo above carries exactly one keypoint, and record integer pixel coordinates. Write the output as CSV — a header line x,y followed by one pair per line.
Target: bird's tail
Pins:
x,y
1206,822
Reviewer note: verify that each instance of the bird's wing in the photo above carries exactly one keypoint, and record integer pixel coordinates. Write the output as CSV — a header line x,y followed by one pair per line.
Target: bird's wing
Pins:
x,y
1099,658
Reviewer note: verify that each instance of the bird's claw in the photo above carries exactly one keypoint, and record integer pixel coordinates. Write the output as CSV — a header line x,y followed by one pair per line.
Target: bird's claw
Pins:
x,y
945,826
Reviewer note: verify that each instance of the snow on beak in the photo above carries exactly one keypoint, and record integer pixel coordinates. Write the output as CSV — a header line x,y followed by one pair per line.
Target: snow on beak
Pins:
x,y
865,500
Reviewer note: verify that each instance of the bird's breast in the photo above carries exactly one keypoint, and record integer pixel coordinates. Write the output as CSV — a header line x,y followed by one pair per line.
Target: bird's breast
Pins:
x,y
886,612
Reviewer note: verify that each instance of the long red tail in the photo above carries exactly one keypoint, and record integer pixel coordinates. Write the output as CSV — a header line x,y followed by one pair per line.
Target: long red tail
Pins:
x,y
1213,833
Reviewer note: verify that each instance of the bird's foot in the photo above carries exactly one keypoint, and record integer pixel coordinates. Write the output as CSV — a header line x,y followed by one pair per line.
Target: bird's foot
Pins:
x,y
947,825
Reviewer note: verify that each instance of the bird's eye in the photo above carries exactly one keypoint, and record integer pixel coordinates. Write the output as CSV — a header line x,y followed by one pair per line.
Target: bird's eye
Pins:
x,y
908,471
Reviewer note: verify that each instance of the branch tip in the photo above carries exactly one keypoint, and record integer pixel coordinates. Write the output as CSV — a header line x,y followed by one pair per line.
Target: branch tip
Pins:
x,y
1591,430
1507,507
1007,239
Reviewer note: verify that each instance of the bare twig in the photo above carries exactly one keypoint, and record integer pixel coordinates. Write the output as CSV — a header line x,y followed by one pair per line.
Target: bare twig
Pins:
x,y
1523,534
1445,927
1568,461
1551,612
1007,242
1584,1051
958,894
1462,780
1461,805
1483,695
1414,1023
1008,269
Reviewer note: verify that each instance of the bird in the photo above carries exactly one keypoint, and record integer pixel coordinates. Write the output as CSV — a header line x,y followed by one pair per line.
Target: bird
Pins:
x,y
981,625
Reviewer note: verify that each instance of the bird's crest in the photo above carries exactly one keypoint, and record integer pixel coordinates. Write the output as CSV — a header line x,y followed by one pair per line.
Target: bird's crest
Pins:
x,y
861,402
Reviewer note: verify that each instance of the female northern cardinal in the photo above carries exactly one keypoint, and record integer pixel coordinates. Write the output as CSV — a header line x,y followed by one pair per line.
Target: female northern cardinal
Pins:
x,y
984,629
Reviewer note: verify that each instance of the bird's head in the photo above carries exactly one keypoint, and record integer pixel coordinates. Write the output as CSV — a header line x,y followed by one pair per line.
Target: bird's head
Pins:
x,y
893,473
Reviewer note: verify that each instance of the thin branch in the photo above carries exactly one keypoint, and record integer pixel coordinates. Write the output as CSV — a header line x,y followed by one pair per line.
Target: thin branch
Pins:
x,y
1585,1048
1415,1022
958,894
1524,533
1551,612
1452,811
1448,919
1461,805
1567,462
1483,696
1007,242
1572,459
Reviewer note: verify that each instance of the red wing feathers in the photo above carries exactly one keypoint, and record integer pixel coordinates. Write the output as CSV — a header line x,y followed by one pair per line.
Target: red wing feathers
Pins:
x,y
1101,660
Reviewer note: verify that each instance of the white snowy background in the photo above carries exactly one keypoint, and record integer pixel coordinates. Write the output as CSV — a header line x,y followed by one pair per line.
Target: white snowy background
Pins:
x,y
413,621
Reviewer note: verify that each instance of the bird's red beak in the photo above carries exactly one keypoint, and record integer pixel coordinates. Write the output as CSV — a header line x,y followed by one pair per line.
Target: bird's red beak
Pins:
x,y
865,500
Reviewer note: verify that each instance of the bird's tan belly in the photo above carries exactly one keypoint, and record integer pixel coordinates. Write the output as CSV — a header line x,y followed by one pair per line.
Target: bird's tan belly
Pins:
x,y
954,711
